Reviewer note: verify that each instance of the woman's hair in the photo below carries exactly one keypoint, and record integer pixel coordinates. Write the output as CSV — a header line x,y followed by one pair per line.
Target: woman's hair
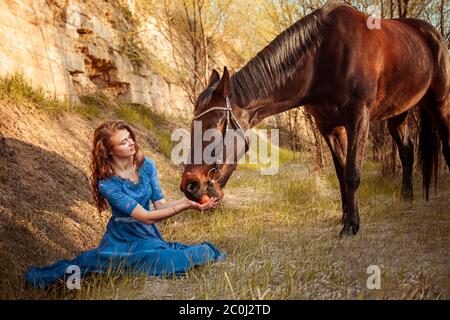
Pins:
x,y
101,160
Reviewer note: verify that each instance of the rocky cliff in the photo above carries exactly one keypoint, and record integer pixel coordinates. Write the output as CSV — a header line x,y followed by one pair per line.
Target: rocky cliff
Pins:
x,y
74,48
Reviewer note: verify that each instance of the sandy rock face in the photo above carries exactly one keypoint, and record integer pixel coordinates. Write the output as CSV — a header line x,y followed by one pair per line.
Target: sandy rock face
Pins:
x,y
72,49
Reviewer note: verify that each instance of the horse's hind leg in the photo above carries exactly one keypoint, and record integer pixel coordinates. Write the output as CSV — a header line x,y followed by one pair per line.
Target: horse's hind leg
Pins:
x,y
443,127
439,111
336,139
398,127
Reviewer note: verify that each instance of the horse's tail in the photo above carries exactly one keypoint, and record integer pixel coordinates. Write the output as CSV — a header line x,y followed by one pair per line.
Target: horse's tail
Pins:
x,y
428,151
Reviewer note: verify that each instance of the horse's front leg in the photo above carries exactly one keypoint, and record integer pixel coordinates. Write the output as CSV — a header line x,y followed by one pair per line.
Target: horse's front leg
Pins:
x,y
336,139
357,132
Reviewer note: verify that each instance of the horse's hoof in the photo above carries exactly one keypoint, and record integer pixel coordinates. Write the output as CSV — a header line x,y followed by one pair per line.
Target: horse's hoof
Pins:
x,y
350,229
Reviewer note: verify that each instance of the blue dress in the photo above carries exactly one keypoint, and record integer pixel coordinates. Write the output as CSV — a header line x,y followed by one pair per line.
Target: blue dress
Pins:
x,y
128,244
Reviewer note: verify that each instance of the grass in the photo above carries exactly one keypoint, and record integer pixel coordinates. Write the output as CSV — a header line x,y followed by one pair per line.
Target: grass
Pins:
x,y
283,244
280,233
284,155
17,88
165,143
135,114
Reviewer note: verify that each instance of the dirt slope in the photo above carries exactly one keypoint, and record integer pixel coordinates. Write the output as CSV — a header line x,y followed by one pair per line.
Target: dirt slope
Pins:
x,y
46,208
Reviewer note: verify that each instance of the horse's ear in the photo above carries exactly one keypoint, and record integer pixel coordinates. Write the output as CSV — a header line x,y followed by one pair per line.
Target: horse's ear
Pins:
x,y
215,77
223,88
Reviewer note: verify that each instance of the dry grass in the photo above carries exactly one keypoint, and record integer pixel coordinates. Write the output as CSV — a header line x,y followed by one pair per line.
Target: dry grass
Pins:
x,y
46,207
280,232
282,242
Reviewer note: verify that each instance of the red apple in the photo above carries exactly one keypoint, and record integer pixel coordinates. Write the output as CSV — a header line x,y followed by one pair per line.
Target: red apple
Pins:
x,y
204,199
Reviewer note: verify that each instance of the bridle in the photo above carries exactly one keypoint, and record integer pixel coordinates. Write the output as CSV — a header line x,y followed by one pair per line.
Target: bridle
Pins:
x,y
229,116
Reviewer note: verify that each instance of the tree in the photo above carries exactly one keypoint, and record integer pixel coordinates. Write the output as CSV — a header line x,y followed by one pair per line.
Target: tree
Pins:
x,y
192,28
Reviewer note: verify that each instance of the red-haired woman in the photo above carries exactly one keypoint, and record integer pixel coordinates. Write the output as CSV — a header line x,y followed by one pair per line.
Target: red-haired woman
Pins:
x,y
126,180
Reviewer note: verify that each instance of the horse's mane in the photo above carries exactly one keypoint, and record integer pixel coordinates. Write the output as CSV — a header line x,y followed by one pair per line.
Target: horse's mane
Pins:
x,y
281,58
278,61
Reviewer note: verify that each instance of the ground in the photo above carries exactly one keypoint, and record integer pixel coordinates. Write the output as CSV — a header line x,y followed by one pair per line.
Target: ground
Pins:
x,y
280,232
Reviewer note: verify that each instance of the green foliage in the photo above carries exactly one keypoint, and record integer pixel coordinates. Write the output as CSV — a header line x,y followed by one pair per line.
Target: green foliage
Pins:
x,y
136,114
99,99
17,88
132,49
139,55
126,12
165,143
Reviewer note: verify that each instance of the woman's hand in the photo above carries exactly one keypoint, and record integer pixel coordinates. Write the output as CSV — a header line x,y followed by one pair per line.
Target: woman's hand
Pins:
x,y
211,204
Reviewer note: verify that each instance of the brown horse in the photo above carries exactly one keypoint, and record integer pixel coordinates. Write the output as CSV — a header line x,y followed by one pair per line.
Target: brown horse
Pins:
x,y
345,74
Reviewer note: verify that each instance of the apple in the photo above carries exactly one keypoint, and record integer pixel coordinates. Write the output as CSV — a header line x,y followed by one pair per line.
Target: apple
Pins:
x,y
204,199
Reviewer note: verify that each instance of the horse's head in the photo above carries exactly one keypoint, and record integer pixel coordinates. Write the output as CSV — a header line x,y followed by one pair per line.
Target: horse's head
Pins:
x,y
212,159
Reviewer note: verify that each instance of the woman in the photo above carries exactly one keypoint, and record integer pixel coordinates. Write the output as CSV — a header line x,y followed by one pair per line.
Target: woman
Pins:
x,y
126,180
